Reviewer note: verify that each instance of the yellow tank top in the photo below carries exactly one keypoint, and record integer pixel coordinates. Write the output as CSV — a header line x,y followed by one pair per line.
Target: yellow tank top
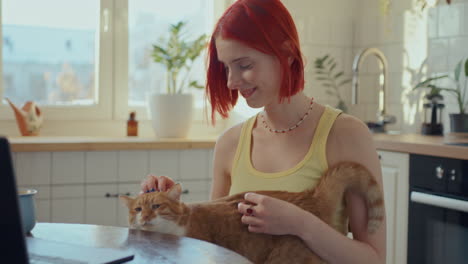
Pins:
x,y
305,175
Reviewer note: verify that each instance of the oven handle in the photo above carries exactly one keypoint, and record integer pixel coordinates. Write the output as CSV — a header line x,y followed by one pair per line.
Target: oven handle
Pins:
x,y
439,201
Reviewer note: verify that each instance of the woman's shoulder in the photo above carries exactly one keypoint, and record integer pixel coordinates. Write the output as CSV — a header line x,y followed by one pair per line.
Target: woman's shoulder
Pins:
x,y
348,133
229,139
346,124
348,136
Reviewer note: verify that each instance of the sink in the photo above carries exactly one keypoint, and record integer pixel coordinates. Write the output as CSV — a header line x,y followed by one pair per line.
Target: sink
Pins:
x,y
462,144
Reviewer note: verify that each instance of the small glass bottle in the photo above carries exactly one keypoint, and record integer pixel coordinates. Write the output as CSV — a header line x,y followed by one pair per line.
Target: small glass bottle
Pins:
x,y
132,125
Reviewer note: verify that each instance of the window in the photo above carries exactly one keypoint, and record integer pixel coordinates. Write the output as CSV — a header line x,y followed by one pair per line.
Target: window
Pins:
x,y
148,23
90,59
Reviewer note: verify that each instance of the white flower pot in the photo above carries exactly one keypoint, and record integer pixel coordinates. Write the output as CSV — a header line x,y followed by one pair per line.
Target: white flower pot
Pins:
x,y
171,114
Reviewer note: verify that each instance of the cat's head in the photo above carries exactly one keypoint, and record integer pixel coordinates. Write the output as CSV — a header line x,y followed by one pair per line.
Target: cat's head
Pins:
x,y
152,211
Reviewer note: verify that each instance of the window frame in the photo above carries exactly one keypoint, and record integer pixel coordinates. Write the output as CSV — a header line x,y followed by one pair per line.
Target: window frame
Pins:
x,y
100,111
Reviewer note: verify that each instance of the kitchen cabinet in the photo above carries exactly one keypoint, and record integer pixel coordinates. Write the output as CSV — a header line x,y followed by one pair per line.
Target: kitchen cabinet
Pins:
x,y
395,174
83,186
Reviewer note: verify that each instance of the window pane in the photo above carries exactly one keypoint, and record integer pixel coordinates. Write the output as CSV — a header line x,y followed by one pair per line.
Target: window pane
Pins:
x,y
149,21
49,51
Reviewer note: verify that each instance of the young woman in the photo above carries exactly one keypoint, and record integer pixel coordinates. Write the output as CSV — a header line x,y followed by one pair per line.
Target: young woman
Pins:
x,y
254,51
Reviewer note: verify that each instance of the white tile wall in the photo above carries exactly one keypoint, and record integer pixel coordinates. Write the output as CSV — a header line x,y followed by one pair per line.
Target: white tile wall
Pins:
x,y
324,27
407,37
450,20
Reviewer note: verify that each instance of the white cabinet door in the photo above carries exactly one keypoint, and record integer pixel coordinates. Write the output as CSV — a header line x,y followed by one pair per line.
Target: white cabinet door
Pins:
x,y
33,168
101,204
164,162
195,191
101,166
395,170
194,164
390,176
68,167
132,190
133,165
68,204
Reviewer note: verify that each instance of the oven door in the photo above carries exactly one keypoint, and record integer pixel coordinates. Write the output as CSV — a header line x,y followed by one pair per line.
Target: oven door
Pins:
x,y
437,229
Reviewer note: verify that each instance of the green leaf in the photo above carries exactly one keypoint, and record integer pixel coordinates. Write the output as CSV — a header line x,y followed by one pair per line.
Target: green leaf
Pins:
x,y
321,79
330,93
333,67
466,68
458,71
344,82
195,84
338,75
428,81
178,54
449,90
326,85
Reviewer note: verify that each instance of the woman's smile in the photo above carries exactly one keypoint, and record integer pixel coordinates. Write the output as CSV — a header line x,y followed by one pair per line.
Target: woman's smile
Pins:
x,y
248,92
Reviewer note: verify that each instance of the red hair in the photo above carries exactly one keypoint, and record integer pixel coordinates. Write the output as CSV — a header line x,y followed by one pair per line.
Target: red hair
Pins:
x,y
264,25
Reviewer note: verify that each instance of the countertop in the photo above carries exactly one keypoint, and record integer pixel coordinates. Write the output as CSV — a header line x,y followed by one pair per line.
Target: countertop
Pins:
x,y
33,144
424,145
407,143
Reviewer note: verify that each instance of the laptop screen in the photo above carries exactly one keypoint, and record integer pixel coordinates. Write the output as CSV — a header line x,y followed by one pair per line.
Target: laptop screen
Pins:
x,y
10,222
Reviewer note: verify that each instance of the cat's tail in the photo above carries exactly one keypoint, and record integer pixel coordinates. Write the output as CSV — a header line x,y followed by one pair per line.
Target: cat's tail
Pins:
x,y
354,177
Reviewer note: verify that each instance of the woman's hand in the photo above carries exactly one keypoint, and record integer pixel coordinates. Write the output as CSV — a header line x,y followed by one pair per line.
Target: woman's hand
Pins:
x,y
265,214
156,183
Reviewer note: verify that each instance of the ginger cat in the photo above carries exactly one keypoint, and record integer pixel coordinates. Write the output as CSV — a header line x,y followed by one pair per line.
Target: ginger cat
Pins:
x,y
219,222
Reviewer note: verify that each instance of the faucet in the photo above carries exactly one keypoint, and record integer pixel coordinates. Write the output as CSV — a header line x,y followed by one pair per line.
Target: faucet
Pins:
x,y
382,117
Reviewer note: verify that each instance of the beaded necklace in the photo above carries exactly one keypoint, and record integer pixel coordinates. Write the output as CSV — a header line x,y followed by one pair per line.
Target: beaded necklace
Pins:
x,y
291,128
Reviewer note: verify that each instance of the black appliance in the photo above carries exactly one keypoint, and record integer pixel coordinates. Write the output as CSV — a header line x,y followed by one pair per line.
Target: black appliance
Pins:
x,y
438,211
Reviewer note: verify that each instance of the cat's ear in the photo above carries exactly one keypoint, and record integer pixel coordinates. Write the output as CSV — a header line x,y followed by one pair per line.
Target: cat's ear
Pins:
x,y
126,200
175,191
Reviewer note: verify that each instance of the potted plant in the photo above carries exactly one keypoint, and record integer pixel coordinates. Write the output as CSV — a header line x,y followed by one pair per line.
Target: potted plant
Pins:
x,y
325,68
171,112
458,121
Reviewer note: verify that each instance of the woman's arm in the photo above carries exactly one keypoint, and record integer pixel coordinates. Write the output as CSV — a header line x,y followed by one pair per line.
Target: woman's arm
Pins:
x,y
349,140
224,152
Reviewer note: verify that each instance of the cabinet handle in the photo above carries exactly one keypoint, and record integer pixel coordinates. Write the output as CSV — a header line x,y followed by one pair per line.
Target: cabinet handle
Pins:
x,y
186,191
380,157
109,195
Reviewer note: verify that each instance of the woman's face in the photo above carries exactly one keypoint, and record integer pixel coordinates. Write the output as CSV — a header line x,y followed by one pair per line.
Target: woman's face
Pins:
x,y
256,75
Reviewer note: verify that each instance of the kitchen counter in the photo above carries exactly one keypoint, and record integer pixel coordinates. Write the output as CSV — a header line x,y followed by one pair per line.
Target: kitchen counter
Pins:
x,y
424,145
406,143
34,144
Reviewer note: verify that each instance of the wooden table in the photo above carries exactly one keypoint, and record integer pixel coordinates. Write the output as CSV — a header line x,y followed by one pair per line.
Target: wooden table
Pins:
x,y
148,247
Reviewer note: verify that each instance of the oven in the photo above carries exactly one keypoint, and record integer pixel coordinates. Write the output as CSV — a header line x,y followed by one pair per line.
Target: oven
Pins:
x,y
438,211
